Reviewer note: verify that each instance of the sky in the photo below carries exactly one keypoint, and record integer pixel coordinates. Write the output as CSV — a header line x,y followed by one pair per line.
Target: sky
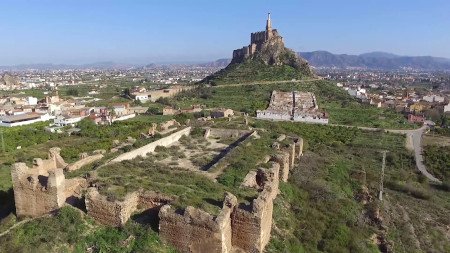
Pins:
x,y
127,31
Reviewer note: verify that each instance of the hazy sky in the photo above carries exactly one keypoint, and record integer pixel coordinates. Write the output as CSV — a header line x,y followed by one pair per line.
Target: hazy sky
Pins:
x,y
83,31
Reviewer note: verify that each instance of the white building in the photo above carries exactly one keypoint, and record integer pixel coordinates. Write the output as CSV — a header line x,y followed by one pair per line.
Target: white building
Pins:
x,y
141,96
447,108
23,119
433,98
32,100
67,120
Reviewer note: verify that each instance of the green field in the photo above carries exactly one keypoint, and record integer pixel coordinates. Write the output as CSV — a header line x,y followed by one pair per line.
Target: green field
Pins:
x,y
341,107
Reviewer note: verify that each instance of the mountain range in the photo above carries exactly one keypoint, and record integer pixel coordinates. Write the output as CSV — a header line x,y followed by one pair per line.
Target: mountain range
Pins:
x,y
373,61
376,61
317,59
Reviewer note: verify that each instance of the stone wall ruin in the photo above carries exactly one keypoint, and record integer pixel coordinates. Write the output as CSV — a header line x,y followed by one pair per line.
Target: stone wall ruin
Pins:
x,y
116,213
43,188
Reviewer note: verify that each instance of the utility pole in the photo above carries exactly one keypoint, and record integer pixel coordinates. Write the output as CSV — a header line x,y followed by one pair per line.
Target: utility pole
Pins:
x,y
3,142
382,175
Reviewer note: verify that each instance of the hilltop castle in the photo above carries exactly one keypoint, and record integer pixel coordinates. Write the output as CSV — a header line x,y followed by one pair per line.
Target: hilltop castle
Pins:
x,y
257,40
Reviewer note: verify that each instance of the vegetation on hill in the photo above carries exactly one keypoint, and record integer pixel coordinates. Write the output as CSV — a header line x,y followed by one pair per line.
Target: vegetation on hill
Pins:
x,y
342,108
71,231
437,160
254,70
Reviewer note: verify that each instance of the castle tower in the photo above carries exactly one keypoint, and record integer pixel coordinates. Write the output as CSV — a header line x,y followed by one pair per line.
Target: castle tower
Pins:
x,y
268,27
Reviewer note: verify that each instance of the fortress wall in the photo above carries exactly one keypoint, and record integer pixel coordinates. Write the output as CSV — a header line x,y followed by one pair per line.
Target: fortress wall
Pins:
x,y
35,194
291,150
143,151
74,187
283,158
299,147
82,162
113,213
195,230
251,225
117,213
150,199
225,133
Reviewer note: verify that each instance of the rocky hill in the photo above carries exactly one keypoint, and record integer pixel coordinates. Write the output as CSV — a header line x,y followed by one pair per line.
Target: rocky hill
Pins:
x,y
376,60
8,80
265,59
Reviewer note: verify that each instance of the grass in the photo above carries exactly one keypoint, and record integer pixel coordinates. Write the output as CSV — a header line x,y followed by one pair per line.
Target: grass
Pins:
x,y
437,161
342,108
188,187
253,70
70,231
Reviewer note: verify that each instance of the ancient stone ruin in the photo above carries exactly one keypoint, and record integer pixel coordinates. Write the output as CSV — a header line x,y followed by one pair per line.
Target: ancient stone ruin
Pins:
x,y
116,213
43,188
238,227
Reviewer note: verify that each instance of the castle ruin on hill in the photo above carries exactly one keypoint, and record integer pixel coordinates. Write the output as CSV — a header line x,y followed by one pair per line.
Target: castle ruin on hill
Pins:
x,y
257,40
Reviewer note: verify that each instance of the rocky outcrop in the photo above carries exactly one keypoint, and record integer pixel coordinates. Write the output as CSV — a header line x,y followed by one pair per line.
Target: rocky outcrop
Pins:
x,y
9,80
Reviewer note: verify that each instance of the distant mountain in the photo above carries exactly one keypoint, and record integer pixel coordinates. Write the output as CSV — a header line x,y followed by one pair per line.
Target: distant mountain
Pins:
x,y
375,60
221,63
50,66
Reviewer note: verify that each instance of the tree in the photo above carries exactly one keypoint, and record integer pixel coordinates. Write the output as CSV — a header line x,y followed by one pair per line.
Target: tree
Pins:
x,y
73,92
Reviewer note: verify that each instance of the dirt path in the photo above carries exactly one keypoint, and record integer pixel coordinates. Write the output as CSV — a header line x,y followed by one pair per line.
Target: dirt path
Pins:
x,y
267,82
14,226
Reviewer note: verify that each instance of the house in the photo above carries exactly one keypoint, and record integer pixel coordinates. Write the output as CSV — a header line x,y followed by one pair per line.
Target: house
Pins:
x,y
415,118
222,113
141,96
67,120
433,98
23,119
447,108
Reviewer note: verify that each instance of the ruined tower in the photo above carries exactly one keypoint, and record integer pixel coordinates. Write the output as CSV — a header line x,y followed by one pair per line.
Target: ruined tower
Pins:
x,y
268,27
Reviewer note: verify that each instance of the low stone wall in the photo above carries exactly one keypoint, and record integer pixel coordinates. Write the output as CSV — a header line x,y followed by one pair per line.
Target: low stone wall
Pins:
x,y
117,213
143,151
195,230
82,162
225,133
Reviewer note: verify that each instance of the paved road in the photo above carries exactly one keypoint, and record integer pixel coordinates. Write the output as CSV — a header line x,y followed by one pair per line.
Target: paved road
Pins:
x,y
414,141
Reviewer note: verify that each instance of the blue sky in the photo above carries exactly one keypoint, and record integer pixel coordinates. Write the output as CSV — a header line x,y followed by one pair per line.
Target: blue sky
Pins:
x,y
84,31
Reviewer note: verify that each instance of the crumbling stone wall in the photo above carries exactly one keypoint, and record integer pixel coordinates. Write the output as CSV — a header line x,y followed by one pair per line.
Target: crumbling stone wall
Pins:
x,y
36,194
84,161
252,224
283,158
195,230
225,133
299,147
117,213
143,151
113,213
